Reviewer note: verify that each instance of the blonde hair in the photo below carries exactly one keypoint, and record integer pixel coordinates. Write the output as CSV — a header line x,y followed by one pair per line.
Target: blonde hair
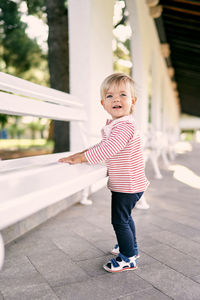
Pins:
x,y
117,78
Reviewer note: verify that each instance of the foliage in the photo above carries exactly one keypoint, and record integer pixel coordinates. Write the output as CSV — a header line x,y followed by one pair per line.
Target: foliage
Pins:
x,y
58,60
25,144
36,7
36,127
121,51
15,130
18,53
3,121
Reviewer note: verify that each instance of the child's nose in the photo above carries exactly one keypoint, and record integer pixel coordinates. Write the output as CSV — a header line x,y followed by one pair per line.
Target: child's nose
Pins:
x,y
116,98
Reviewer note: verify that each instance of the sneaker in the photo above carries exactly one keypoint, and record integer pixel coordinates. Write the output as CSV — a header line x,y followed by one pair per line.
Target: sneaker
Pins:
x,y
115,251
121,263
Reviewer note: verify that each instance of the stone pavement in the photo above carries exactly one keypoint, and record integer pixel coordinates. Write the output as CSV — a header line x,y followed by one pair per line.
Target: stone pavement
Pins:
x,y
63,258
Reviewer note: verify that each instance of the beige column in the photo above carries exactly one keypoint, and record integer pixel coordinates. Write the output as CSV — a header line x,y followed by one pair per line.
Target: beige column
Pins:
x,y
156,113
139,72
90,42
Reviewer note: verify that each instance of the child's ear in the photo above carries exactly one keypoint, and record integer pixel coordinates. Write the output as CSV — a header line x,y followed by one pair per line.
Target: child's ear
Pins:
x,y
134,100
102,102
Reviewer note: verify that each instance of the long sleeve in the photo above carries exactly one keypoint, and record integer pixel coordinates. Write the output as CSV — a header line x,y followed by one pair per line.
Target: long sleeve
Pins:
x,y
118,139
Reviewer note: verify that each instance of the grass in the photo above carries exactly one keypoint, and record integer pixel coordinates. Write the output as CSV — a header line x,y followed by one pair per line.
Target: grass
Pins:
x,y
187,136
23,144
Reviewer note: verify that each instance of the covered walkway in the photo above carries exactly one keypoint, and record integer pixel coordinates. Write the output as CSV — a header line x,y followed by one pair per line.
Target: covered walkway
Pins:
x,y
62,259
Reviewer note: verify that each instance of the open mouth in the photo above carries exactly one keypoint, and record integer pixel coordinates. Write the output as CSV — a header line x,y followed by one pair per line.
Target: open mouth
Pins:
x,y
117,106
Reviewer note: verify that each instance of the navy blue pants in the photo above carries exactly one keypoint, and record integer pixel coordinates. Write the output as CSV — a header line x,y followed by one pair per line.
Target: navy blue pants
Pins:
x,y
123,224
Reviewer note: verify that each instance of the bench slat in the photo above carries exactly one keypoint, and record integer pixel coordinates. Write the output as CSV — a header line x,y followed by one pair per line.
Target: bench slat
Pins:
x,y
28,194
17,105
27,162
23,87
20,170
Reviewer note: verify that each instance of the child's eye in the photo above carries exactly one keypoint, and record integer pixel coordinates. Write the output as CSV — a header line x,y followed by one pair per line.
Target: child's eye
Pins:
x,y
108,96
124,95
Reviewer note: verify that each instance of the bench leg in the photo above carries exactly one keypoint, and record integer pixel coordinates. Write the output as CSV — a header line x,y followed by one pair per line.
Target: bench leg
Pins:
x,y
2,251
84,198
154,161
142,203
164,157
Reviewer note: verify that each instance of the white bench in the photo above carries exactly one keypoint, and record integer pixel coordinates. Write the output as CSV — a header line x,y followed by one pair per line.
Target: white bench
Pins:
x,y
159,144
28,185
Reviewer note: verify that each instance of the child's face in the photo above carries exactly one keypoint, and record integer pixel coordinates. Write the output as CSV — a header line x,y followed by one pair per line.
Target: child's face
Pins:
x,y
119,100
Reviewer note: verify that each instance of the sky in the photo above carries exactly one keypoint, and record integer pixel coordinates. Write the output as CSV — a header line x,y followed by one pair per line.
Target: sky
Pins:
x,y
36,27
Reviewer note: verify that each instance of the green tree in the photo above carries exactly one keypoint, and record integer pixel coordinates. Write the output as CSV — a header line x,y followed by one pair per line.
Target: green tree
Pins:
x,y
19,53
34,127
3,120
14,128
122,52
58,57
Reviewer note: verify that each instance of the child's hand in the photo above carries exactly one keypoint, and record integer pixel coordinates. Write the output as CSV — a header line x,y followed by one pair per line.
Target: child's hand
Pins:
x,y
74,159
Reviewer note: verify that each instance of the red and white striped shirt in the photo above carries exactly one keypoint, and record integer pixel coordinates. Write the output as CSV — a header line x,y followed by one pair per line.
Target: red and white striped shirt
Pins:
x,y
121,149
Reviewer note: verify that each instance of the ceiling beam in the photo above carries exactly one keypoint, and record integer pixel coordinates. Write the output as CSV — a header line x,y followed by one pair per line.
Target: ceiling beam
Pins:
x,y
176,42
171,16
187,2
187,48
187,73
179,33
184,26
186,11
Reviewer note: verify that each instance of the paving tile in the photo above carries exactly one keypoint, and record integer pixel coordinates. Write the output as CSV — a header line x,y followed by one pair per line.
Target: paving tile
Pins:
x,y
94,267
60,224
185,231
57,268
103,223
146,240
24,245
76,247
145,259
196,278
106,245
91,232
163,222
20,280
180,243
146,228
29,291
183,219
19,266
185,264
108,286
170,282
148,294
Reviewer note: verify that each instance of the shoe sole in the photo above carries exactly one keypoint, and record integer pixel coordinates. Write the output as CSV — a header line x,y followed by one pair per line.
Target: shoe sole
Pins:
x,y
122,270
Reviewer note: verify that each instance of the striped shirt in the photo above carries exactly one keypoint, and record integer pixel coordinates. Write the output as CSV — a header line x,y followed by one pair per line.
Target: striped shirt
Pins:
x,y
121,149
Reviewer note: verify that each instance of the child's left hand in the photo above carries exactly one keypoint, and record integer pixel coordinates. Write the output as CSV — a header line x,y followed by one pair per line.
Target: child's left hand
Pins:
x,y
74,159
